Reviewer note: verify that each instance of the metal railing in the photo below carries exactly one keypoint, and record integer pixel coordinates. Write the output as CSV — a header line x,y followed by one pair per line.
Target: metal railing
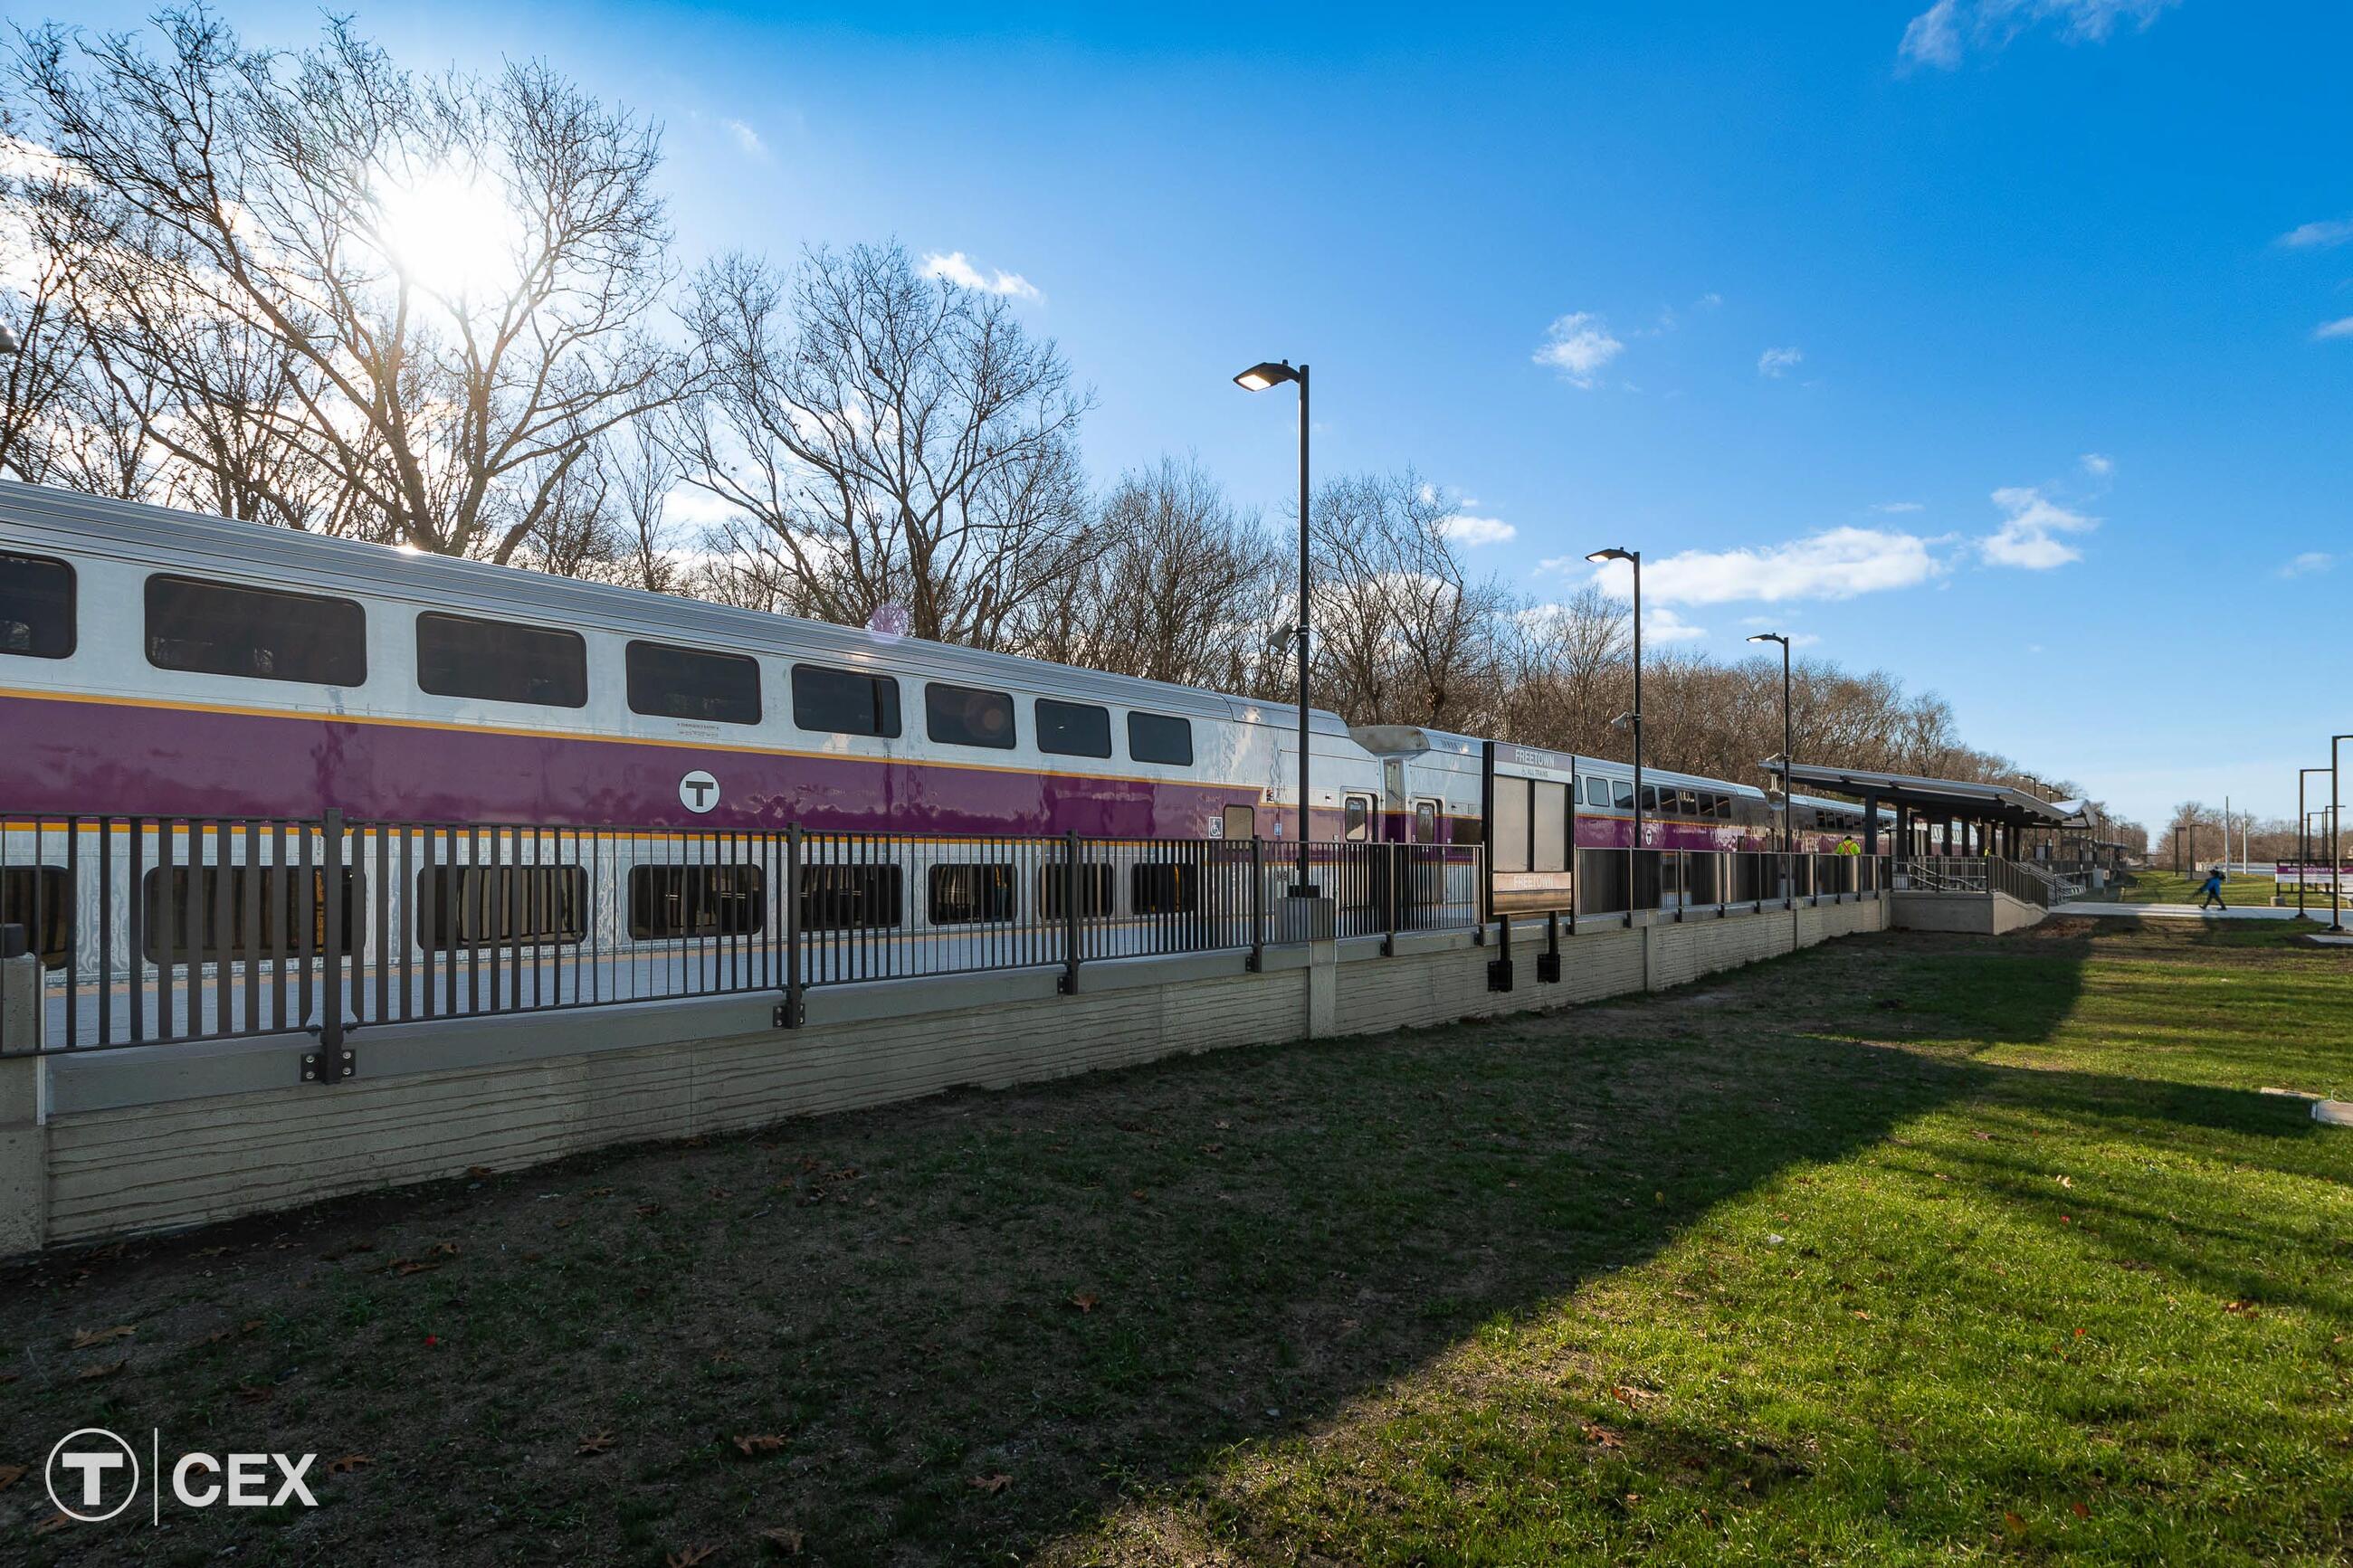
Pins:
x,y
1982,873
164,929
1686,883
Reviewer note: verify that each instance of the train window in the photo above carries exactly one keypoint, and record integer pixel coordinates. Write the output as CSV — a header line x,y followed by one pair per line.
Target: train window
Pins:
x,y
1724,807
1157,738
1650,798
671,682
500,661
1164,890
695,901
1686,803
961,895
1597,793
282,915
261,634
1356,818
1469,828
844,703
965,716
481,905
1074,729
36,898
1241,822
1425,822
37,607
1094,891
850,898
1622,794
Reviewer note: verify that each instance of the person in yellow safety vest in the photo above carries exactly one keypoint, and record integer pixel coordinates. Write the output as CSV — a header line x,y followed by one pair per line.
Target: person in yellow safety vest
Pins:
x,y
1847,846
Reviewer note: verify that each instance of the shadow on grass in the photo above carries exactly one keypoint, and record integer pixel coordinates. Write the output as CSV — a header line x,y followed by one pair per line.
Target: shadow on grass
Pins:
x,y
977,1321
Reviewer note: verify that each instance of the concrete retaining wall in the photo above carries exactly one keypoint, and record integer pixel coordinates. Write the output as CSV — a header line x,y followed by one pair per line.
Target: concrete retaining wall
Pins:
x,y
155,1138
1983,914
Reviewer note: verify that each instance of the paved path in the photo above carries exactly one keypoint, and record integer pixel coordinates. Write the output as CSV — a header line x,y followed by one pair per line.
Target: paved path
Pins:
x,y
2192,911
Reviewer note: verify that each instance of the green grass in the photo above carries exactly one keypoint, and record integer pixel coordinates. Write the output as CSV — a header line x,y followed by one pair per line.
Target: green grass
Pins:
x,y
2180,887
1905,1249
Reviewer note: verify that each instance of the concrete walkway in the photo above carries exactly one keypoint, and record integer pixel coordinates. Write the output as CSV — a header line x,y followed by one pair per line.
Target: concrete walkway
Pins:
x,y
2192,912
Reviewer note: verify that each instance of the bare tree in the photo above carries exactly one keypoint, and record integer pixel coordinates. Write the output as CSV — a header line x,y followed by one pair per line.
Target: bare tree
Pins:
x,y
432,293
888,440
1404,633
1187,587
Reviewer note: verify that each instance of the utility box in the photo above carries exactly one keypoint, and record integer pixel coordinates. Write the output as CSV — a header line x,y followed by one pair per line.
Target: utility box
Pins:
x,y
1304,918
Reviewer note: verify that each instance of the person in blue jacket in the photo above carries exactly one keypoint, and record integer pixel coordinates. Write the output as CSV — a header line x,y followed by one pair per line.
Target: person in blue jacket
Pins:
x,y
2213,891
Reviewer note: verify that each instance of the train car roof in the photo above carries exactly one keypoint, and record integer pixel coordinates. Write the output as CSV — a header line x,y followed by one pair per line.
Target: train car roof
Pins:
x,y
41,517
1420,740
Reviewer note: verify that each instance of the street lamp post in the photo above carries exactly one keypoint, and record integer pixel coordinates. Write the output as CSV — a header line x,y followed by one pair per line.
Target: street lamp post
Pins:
x,y
1634,559
2304,838
1786,744
2335,853
1258,378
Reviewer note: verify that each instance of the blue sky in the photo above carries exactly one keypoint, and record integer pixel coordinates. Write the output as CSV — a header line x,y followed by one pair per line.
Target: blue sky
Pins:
x,y
1986,342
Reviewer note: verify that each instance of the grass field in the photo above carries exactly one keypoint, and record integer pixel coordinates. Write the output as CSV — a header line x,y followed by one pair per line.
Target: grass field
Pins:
x,y
2180,887
1904,1249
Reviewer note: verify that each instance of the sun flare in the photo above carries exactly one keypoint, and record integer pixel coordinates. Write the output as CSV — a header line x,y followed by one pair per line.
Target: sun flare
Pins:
x,y
449,233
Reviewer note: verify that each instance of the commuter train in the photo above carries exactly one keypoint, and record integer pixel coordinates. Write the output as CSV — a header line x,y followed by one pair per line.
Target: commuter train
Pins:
x,y
155,663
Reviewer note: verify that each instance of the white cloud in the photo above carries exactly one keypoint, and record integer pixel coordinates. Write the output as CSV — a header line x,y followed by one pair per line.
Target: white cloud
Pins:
x,y
1802,640
955,269
1707,301
1778,363
2318,235
747,139
1579,346
1474,532
2099,465
1899,505
1945,32
1662,624
2340,328
2310,561
2027,538
1837,563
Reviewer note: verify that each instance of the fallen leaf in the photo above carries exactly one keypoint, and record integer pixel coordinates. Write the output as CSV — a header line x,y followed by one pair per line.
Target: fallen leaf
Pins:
x,y
765,1443
1864,1315
597,1192
2067,1180
992,1484
248,1326
1140,1195
2080,1510
480,1171
10,1475
102,1369
646,1211
787,1541
596,1443
690,1557
443,1248
349,1463
1596,1433
1085,1302
54,1523
254,1393
2012,1522
85,1337
2245,1308
412,1266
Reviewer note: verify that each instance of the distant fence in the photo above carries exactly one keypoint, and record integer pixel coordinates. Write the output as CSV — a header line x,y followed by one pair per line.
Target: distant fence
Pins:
x,y
2021,881
166,929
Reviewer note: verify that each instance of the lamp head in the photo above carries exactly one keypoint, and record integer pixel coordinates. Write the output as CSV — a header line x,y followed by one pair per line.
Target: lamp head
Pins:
x,y
1598,556
1268,373
1771,637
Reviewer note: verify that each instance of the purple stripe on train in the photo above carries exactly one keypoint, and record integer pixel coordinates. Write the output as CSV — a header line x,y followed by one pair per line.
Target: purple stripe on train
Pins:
x,y
124,758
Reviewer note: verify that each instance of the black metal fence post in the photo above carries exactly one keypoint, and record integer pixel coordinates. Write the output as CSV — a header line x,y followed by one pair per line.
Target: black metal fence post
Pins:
x,y
1499,968
792,1013
1548,961
1070,982
331,1060
1258,904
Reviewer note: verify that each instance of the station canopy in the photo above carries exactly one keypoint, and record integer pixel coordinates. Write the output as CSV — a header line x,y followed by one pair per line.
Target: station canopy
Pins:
x,y
1935,798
